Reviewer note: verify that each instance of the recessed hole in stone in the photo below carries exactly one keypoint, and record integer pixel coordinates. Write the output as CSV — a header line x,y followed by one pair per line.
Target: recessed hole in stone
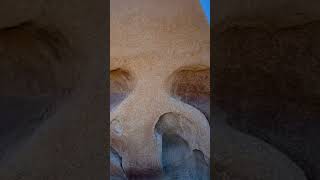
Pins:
x,y
121,84
117,172
179,161
191,85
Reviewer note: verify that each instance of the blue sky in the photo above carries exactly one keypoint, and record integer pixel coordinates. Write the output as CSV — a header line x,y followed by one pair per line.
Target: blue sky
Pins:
x,y
206,7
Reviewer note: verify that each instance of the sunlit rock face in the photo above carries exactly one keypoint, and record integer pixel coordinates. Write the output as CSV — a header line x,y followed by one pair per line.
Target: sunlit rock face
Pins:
x,y
267,91
53,94
160,89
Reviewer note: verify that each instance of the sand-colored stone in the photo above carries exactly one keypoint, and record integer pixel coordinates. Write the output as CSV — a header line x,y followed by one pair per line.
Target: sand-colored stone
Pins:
x,y
154,41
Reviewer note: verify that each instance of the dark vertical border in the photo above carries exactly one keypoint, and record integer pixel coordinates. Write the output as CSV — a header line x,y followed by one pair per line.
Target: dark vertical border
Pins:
x,y
211,92
107,74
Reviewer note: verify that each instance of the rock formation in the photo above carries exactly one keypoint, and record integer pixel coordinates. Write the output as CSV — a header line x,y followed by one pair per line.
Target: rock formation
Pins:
x,y
53,96
266,94
160,89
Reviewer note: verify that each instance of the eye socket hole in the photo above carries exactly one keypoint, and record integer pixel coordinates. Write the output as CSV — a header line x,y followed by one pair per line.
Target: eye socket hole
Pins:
x,y
191,85
121,84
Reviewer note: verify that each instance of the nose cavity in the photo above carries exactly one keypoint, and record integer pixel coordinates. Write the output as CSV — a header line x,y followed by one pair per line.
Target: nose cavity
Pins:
x,y
174,149
179,161
116,169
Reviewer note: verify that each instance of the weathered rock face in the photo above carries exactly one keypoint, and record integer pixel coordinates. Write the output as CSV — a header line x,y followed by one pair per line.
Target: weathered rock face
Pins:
x,y
160,88
33,65
267,90
53,94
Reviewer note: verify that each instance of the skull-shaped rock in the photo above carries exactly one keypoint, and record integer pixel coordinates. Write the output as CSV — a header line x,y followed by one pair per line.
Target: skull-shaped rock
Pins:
x,y
160,88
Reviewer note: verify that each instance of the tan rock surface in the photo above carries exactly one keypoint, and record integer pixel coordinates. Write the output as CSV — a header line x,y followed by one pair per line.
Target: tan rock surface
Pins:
x,y
155,42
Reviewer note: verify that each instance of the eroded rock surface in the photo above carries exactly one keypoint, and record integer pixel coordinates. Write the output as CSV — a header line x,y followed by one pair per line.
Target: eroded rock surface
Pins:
x,y
160,89
267,78
266,66
53,93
